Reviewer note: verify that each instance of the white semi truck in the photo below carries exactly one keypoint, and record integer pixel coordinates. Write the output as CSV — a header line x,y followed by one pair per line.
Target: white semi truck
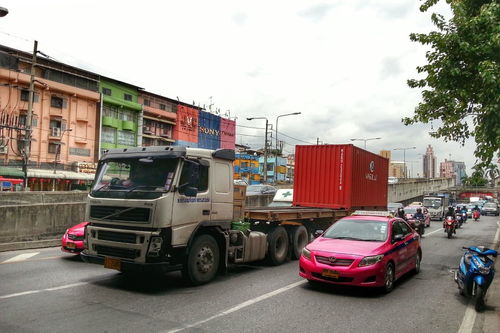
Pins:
x,y
436,204
171,208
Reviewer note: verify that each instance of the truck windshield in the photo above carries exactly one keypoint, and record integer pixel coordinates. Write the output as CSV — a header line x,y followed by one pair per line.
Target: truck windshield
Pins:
x,y
432,203
134,178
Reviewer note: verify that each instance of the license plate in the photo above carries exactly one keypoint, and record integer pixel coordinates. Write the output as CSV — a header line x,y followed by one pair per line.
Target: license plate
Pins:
x,y
331,274
112,263
71,245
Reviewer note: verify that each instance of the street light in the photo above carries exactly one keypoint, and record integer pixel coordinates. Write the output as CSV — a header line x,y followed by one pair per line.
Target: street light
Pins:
x,y
404,156
276,150
368,139
265,147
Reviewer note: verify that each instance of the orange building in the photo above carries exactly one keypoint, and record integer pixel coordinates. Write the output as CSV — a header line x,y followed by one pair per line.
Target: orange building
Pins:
x,y
65,133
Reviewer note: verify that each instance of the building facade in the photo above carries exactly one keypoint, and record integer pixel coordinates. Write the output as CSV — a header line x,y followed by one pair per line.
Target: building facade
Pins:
x,y
429,163
397,169
121,114
64,117
246,167
158,119
452,169
276,168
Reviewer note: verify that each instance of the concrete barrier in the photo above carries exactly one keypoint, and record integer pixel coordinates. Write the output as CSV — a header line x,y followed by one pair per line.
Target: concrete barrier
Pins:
x,y
38,216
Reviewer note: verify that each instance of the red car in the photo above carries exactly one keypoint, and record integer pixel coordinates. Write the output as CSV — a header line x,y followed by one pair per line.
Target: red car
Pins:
x,y
72,240
366,250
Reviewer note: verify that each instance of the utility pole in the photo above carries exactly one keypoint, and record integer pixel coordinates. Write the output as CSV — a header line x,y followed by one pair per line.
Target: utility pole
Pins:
x,y
29,117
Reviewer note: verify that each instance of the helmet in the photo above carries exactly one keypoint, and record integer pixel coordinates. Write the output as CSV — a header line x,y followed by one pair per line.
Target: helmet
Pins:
x,y
419,210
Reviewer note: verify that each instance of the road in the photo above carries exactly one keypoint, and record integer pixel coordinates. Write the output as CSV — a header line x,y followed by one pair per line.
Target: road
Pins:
x,y
45,290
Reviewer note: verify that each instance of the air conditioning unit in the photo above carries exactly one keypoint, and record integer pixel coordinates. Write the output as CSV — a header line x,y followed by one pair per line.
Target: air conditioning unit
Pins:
x,y
4,149
147,130
56,131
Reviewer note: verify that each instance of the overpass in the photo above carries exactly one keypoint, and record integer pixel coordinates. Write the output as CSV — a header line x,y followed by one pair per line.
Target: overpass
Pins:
x,y
413,189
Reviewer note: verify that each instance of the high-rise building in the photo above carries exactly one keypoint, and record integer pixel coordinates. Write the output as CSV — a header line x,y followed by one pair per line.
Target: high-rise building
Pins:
x,y
452,169
386,154
429,163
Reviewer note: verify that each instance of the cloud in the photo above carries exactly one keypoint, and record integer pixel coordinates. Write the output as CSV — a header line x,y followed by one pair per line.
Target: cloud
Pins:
x,y
390,68
240,18
317,12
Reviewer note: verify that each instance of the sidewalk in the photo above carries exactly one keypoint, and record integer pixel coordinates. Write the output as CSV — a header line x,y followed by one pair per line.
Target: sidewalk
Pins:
x,y
492,312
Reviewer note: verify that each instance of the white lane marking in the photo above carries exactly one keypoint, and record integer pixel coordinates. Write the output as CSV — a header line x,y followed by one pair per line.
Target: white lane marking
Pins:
x,y
29,292
469,319
21,257
430,233
240,306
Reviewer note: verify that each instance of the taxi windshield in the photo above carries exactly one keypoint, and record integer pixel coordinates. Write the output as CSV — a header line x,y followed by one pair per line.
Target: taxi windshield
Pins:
x,y
362,230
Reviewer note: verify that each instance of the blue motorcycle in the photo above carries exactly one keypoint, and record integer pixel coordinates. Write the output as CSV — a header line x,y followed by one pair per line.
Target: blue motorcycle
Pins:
x,y
475,273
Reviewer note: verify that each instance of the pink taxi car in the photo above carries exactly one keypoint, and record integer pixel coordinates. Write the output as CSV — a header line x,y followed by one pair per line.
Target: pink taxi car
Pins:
x,y
72,240
369,249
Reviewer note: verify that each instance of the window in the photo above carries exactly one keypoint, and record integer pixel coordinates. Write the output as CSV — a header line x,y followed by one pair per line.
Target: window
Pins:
x,y
163,107
405,228
396,229
127,97
56,102
53,148
202,180
108,135
106,91
25,96
126,138
147,102
55,123
127,115
109,111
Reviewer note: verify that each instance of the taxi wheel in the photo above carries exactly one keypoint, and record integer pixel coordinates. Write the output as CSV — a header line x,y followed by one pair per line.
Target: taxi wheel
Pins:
x,y
418,258
389,278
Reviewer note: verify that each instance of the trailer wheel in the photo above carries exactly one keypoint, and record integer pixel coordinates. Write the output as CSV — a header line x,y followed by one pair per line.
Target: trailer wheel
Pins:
x,y
300,238
278,246
202,261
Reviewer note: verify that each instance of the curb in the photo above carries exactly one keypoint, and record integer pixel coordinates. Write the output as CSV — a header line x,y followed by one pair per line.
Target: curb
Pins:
x,y
492,313
29,245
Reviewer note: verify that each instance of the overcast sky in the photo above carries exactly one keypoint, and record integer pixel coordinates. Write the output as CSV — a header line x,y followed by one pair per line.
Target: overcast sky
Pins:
x,y
342,63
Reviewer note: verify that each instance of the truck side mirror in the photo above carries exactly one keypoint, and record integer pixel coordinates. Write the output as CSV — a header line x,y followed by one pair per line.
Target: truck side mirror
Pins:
x,y
190,191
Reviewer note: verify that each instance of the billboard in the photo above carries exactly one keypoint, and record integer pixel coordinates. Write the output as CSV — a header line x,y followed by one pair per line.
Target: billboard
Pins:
x,y
209,134
186,128
227,133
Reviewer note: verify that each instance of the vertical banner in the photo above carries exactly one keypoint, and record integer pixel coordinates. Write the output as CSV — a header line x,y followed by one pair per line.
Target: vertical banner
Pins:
x,y
186,129
209,131
227,133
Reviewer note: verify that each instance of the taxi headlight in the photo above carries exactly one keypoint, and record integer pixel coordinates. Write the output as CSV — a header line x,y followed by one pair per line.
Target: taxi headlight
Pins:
x,y
306,253
372,260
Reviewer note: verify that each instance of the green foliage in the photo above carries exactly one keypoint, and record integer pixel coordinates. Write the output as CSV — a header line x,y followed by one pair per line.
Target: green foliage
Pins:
x,y
462,77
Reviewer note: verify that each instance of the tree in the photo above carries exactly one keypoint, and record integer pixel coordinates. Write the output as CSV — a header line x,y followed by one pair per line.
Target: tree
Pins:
x,y
462,79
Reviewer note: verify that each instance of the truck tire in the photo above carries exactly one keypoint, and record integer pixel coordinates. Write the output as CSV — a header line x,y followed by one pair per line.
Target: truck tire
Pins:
x,y
300,238
277,246
202,261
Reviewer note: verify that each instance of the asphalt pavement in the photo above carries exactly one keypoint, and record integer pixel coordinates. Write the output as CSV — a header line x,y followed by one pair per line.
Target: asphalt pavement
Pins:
x,y
45,290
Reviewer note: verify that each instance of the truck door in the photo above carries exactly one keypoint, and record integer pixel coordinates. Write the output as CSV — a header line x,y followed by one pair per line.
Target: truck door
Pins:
x,y
189,211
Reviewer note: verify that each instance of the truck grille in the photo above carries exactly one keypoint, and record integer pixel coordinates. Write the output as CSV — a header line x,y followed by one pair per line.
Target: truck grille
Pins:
x,y
117,252
131,214
116,236
336,261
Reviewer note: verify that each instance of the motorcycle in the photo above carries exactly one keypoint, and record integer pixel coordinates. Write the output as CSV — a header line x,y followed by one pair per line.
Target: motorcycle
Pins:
x,y
475,273
464,216
450,226
418,225
475,215
460,221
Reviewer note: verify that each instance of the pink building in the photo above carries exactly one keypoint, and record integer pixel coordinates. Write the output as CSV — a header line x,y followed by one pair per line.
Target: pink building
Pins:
x,y
64,127
159,118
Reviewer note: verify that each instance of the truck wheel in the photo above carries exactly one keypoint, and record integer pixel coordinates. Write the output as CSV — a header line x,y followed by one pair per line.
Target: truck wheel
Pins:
x,y
202,262
278,246
300,239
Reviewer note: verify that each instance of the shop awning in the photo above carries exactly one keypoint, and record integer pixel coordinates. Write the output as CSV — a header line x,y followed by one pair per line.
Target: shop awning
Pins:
x,y
11,172
60,174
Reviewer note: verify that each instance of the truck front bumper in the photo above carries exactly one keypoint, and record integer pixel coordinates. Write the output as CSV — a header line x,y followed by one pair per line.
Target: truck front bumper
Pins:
x,y
128,266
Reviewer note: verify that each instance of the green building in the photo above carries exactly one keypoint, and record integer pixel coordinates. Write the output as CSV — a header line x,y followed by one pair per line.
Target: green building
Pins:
x,y
121,114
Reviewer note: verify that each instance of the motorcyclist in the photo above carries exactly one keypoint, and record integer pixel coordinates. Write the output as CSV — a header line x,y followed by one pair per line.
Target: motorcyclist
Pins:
x,y
401,213
450,212
420,216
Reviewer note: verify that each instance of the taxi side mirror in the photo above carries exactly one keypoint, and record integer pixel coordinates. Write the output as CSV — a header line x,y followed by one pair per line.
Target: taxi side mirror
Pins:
x,y
397,238
318,233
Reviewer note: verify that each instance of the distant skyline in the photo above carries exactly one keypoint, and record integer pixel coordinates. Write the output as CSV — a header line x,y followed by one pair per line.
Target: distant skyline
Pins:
x,y
342,64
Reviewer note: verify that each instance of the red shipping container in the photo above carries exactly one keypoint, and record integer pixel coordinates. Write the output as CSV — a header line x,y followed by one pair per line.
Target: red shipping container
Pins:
x,y
339,177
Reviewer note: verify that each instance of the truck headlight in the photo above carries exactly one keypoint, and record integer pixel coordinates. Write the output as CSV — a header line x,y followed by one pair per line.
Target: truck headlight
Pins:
x,y
155,246
372,260
306,253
